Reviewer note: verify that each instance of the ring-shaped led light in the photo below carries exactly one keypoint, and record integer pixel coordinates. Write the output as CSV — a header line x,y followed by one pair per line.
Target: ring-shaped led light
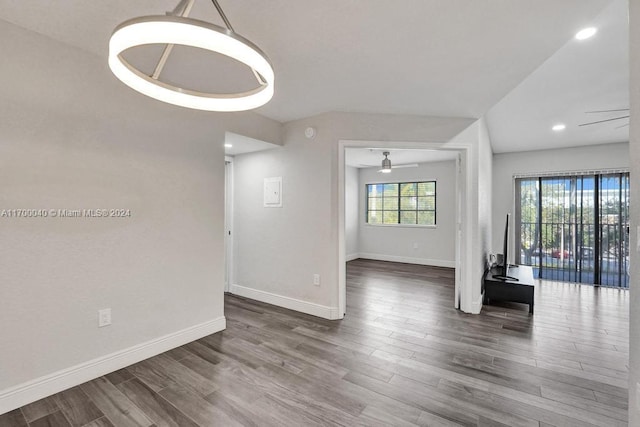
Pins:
x,y
189,32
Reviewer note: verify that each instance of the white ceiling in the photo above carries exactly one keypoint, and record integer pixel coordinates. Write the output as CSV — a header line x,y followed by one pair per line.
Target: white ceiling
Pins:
x,y
372,157
427,57
581,76
241,144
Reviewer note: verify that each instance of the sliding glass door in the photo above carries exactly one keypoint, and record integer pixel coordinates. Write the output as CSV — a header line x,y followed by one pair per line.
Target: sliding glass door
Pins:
x,y
575,228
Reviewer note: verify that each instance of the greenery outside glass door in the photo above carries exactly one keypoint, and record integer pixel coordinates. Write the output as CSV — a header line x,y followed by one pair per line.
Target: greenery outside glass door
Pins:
x,y
575,228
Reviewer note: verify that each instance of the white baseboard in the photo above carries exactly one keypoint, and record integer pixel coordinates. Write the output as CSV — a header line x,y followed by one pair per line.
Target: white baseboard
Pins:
x,y
47,385
318,310
351,257
409,260
476,306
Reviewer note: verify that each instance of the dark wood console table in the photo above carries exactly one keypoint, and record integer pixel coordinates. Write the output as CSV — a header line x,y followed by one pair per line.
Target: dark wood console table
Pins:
x,y
510,290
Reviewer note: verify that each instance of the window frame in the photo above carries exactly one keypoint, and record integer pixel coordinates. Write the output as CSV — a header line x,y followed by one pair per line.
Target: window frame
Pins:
x,y
399,209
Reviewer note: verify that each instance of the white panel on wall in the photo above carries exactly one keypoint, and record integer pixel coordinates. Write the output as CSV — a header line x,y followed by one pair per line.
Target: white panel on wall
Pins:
x,y
273,192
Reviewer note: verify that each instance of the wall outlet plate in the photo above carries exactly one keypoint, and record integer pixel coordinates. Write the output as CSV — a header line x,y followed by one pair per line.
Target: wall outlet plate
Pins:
x,y
316,279
104,317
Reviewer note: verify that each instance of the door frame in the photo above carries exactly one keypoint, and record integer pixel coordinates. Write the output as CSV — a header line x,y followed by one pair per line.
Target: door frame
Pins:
x,y
463,262
228,223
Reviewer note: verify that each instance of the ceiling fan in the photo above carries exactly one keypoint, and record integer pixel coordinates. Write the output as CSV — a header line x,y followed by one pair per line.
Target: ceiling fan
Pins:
x,y
411,165
386,164
619,110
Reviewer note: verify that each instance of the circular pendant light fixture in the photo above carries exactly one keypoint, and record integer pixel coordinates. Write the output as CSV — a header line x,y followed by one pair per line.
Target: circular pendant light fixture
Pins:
x,y
178,29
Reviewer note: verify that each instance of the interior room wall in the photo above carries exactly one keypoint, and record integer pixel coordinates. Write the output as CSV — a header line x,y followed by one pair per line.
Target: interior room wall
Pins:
x,y
280,249
73,137
634,262
485,195
411,244
352,229
608,156
476,223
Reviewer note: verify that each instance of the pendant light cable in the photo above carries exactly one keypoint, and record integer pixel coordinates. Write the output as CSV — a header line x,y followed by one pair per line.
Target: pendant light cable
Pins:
x,y
222,15
257,75
185,6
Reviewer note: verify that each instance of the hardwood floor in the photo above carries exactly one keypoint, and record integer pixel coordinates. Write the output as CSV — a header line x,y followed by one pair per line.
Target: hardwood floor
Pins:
x,y
402,356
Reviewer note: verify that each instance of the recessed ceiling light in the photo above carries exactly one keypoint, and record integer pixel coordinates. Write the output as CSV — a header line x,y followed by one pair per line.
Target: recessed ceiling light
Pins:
x,y
228,145
559,127
586,33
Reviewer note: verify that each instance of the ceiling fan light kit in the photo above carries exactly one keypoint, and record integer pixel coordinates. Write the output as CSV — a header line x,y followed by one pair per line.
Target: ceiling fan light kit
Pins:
x,y
386,163
178,29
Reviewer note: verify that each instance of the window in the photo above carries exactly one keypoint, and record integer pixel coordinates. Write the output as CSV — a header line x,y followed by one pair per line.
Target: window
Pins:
x,y
410,203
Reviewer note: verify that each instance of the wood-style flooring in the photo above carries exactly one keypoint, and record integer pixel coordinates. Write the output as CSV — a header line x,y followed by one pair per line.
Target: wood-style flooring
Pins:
x,y
402,356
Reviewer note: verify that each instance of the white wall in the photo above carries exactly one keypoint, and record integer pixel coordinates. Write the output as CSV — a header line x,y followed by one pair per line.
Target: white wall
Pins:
x,y
485,208
352,214
279,249
634,160
73,137
476,222
607,156
435,245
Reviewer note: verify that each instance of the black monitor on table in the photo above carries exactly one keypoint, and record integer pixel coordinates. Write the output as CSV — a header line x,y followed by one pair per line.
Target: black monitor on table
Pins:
x,y
504,273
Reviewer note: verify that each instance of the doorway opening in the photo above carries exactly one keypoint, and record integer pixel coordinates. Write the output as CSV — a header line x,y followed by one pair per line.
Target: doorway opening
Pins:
x,y
384,216
238,151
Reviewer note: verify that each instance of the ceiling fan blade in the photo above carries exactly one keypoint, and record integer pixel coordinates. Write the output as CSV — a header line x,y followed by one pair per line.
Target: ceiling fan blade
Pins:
x,y
603,121
607,111
412,165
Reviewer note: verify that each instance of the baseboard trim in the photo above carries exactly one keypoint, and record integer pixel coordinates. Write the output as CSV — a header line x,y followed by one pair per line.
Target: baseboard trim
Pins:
x,y
351,257
311,308
476,306
56,382
409,260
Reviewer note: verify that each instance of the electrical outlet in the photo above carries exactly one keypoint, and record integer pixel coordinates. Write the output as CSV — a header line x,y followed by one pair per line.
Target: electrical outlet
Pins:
x,y
415,246
316,279
104,317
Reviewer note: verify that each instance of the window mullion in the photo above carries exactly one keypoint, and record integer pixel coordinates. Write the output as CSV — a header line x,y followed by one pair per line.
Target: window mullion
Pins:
x,y
399,209
435,202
